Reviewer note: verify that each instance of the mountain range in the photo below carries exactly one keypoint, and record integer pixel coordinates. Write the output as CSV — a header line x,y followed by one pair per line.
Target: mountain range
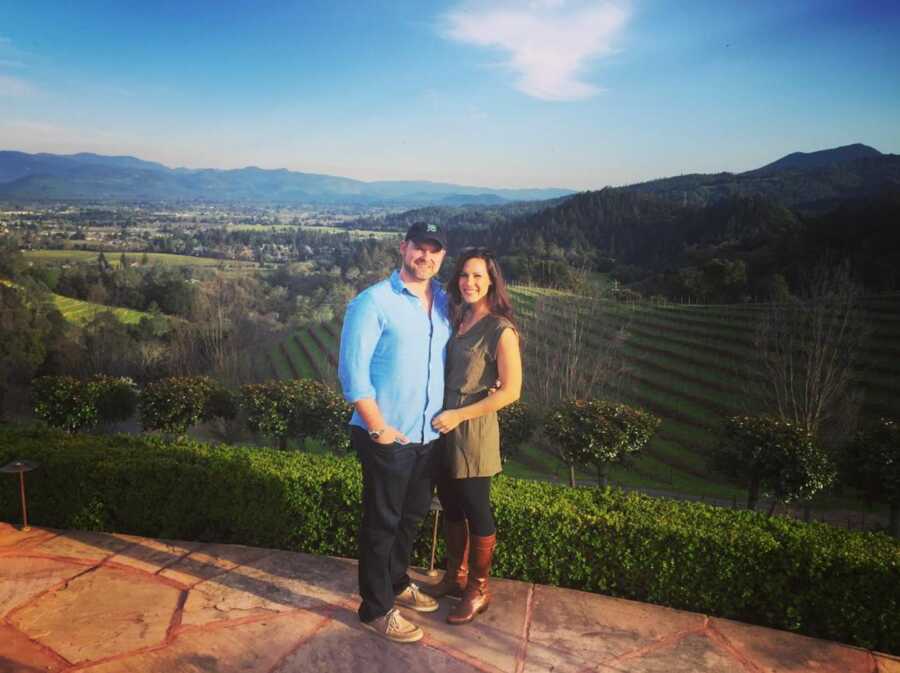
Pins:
x,y
94,177
810,182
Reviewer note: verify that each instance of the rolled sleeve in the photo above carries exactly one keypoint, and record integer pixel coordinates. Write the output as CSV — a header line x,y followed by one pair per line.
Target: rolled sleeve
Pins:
x,y
359,337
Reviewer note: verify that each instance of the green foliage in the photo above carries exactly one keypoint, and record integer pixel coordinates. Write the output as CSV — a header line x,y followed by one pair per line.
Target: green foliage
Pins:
x,y
116,398
597,432
774,457
222,403
517,423
297,408
268,408
29,327
176,404
72,404
65,402
810,578
873,461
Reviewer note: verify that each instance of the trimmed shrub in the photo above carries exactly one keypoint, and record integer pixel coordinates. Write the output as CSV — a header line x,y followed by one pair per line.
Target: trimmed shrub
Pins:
x,y
64,402
318,411
872,463
597,433
810,578
222,403
774,458
517,424
176,404
299,408
116,397
268,409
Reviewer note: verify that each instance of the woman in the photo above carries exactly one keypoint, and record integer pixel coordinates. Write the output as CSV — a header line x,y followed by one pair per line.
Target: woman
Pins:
x,y
483,351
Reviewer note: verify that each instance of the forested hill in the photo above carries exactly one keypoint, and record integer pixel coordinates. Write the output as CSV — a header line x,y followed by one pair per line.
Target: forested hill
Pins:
x,y
642,229
813,182
660,245
469,216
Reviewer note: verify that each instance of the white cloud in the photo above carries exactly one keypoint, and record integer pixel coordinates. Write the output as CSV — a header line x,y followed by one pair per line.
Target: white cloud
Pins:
x,y
547,42
15,87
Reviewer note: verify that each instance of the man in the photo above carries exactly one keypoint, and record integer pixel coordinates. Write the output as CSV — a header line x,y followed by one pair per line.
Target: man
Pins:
x,y
391,368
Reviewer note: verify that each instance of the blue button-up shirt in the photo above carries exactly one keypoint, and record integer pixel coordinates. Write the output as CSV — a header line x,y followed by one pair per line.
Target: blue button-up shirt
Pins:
x,y
394,352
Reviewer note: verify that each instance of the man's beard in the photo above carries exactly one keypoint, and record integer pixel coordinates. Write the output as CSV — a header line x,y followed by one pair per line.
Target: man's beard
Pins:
x,y
423,271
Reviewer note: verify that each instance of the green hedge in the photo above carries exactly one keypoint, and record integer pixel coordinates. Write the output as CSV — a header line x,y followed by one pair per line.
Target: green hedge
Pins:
x,y
810,578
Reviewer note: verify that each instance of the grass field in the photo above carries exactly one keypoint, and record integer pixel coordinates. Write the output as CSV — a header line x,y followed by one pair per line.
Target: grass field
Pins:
x,y
325,229
113,257
77,311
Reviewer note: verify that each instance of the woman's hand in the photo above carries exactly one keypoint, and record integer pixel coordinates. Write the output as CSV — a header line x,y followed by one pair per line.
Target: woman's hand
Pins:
x,y
445,421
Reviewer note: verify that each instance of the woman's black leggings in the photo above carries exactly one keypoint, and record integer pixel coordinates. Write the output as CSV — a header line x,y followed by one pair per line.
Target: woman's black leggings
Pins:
x,y
468,499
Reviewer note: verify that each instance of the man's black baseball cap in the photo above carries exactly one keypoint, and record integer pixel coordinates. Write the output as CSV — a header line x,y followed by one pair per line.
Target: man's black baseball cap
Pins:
x,y
421,232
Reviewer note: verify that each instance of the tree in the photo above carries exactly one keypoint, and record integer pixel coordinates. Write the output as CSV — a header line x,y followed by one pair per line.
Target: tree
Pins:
x,y
11,260
116,398
65,402
806,351
29,327
598,433
517,424
176,404
774,458
298,408
567,359
872,463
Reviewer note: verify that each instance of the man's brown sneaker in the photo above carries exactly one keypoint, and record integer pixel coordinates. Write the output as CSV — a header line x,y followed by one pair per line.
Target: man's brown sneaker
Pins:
x,y
414,598
394,626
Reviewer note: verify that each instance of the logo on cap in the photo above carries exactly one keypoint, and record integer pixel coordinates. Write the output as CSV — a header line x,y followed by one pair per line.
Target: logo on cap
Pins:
x,y
431,228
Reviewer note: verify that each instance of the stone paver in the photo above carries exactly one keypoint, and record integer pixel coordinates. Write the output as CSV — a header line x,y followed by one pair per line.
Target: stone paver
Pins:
x,y
784,652
694,653
19,654
573,629
81,545
24,578
888,664
11,538
258,646
345,646
117,603
495,638
151,556
278,582
100,614
211,561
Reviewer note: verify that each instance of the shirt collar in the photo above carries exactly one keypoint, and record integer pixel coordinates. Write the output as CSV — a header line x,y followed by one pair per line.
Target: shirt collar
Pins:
x,y
398,286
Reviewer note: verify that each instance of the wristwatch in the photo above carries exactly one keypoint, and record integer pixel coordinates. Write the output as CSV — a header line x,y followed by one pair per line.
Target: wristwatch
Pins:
x,y
375,434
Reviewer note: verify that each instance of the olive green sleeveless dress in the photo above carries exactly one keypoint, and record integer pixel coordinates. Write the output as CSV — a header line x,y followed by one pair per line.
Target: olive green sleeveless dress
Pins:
x,y
472,449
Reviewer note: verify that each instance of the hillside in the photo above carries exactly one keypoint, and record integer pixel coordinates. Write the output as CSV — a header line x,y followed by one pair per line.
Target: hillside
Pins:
x,y
685,363
666,245
811,182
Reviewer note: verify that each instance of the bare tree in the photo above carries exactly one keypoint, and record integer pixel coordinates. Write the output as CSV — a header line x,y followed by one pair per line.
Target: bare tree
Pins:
x,y
569,354
807,350
225,327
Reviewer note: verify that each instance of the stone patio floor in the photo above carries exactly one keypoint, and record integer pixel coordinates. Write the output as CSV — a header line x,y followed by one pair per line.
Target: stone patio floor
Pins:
x,y
77,601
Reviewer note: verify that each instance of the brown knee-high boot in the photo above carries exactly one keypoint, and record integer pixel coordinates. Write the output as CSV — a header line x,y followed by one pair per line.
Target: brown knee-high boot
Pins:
x,y
454,581
477,595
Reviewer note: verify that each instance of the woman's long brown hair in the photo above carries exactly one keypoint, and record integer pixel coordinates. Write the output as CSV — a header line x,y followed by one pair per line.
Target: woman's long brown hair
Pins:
x,y
499,303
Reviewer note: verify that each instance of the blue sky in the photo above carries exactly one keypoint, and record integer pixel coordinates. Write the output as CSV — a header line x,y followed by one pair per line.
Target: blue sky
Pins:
x,y
569,93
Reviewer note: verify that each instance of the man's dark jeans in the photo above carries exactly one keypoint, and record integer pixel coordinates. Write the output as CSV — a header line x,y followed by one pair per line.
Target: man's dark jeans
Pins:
x,y
397,483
